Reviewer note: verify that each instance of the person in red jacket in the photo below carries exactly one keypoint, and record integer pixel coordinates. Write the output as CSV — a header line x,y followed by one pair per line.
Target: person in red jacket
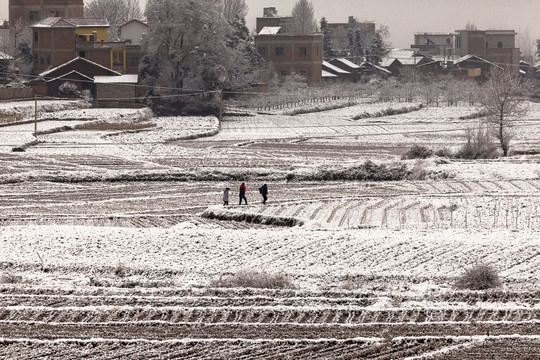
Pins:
x,y
242,193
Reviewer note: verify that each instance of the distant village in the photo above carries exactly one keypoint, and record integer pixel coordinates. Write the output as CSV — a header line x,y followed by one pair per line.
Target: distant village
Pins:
x,y
67,46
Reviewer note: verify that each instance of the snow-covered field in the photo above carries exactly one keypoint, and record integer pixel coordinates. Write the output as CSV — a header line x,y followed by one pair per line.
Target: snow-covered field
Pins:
x,y
102,253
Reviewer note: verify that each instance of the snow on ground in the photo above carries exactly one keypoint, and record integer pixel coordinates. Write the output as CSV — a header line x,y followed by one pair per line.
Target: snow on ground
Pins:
x,y
314,259
27,108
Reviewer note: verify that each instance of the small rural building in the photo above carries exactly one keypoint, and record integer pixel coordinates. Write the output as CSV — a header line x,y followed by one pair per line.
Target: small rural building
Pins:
x,y
340,73
79,71
399,59
118,88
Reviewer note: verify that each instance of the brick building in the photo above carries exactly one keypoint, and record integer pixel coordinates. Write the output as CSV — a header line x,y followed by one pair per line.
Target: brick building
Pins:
x,y
495,46
33,11
58,40
288,54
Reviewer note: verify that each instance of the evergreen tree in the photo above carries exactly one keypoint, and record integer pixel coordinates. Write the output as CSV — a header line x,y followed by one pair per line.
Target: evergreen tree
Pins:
x,y
327,46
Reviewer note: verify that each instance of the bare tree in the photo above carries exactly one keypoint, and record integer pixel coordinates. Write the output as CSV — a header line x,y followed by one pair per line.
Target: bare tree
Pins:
x,y
525,44
504,97
116,12
234,10
470,26
303,18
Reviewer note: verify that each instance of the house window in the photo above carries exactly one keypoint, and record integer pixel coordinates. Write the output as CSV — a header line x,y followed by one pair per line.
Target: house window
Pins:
x,y
499,44
262,51
42,60
35,36
55,13
458,42
82,54
448,42
486,44
33,15
317,50
48,59
303,73
134,61
283,73
279,51
303,51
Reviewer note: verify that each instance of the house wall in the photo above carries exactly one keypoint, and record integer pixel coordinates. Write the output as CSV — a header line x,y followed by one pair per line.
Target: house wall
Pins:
x,y
124,92
65,8
54,46
101,32
292,61
133,32
484,44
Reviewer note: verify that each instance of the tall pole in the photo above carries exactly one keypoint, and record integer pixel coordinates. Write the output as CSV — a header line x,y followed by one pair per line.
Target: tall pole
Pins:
x,y
35,115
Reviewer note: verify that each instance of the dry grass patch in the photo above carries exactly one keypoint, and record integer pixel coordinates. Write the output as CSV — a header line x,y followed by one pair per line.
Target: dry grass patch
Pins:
x,y
110,126
253,279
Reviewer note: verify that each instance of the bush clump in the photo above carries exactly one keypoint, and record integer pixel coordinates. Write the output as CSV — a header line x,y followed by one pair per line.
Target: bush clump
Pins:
x,y
254,279
479,145
418,152
479,277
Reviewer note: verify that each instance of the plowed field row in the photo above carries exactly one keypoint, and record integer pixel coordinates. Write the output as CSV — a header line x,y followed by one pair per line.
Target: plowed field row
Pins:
x,y
268,315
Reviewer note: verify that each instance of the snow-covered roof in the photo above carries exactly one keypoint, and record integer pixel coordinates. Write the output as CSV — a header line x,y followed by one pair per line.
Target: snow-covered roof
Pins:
x,y
327,74
59,22
133,20
348,63
4,56
45,73
368,64
123,79
270,30
334,68
73,72
474,58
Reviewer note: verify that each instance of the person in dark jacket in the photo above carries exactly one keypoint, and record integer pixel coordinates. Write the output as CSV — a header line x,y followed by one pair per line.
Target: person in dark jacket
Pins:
x,y
264,192
242,193
226,196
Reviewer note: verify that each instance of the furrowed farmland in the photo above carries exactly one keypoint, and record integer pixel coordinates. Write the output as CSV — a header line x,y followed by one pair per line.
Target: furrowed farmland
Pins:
x,y
116,244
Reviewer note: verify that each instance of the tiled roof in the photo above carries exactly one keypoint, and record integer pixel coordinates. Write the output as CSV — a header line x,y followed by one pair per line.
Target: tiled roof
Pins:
x,y
334,68
45,73
326,74
348,63
58,22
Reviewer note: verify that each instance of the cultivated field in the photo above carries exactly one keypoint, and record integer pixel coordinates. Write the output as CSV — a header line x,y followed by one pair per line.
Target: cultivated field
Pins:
x,y
105,253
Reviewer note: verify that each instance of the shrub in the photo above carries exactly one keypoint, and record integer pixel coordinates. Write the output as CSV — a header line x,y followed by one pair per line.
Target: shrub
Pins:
x,y
479,277
254,279
68,88
479,145
418,152
9,278
120,270
444,152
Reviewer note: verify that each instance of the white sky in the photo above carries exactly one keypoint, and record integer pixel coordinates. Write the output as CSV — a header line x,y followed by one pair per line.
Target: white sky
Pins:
x,y
405,17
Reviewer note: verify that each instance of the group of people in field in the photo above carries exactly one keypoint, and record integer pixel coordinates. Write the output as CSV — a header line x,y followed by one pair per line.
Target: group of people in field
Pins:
x,y
263,190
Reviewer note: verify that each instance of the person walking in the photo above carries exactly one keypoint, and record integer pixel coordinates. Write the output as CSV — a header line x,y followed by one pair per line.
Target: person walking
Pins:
x,y
226,196
242,193
264,191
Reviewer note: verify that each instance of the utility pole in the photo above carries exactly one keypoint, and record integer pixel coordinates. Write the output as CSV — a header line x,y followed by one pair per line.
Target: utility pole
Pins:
x,y
35,115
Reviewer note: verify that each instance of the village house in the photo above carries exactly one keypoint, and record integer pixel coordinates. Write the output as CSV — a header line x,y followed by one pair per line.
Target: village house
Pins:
x,y
101,81
287,53
33,11
493,46
57,40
